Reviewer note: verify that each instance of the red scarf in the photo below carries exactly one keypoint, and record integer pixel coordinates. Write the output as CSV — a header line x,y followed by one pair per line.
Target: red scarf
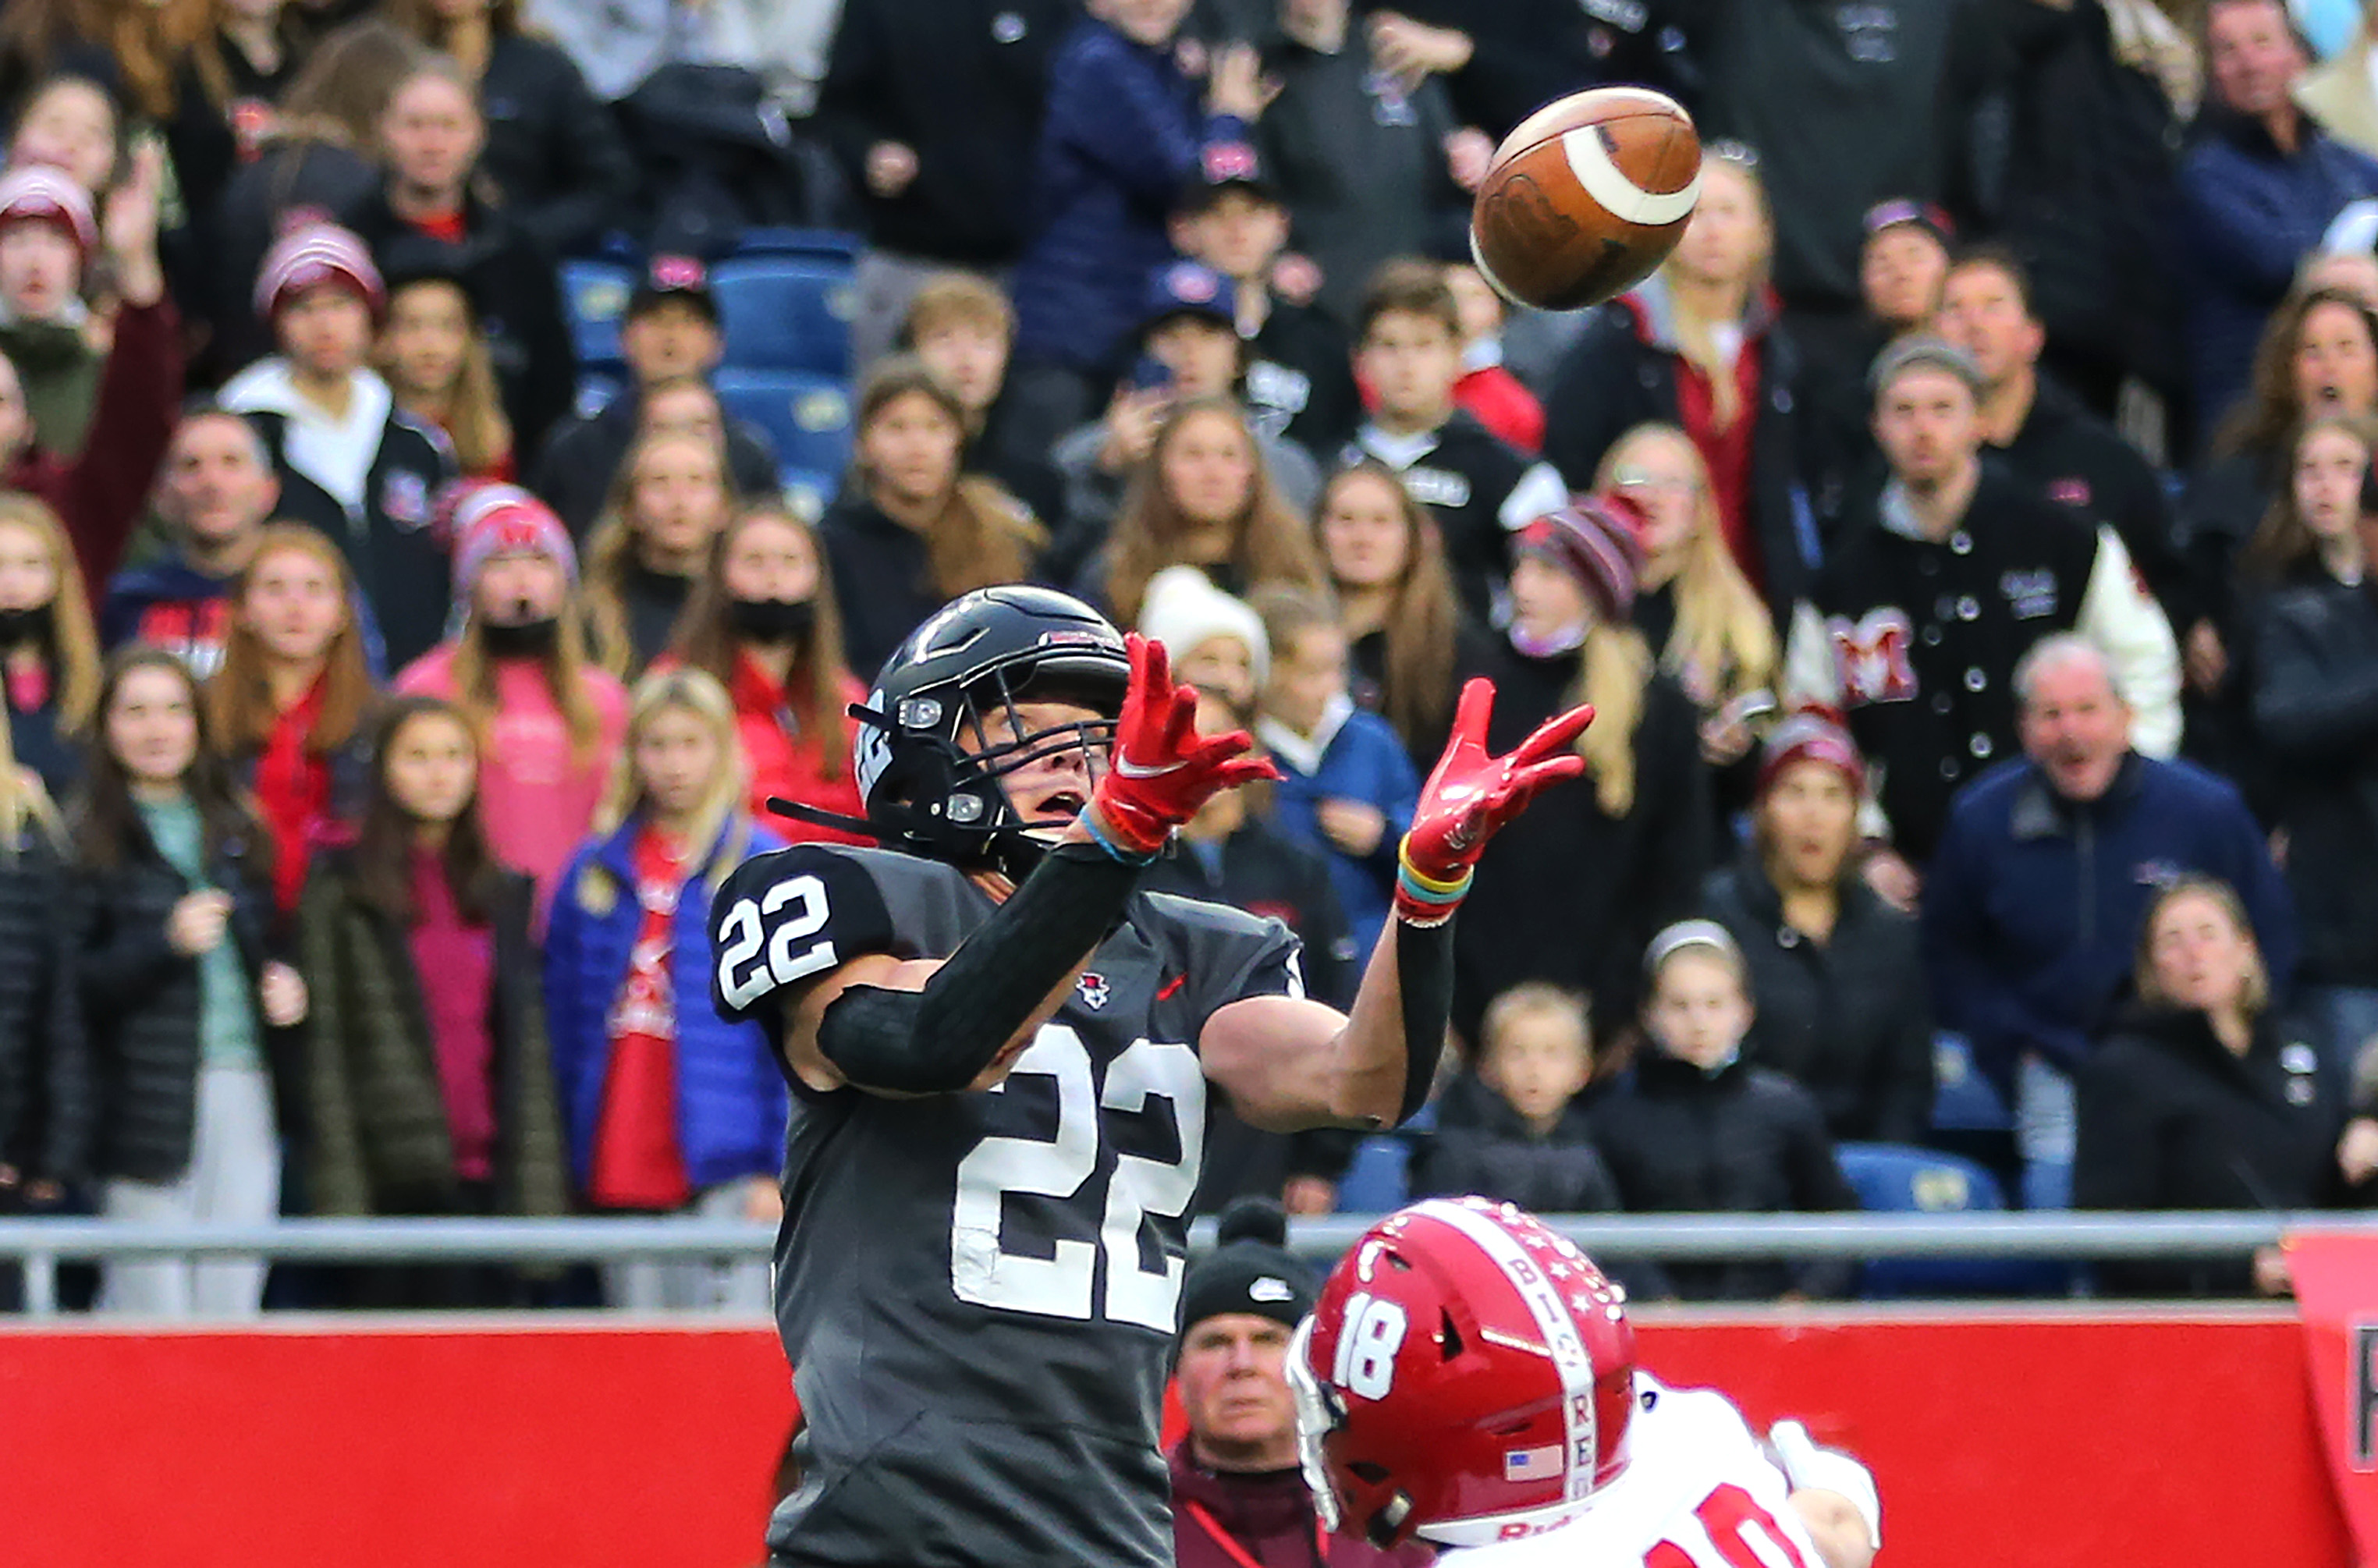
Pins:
x,y
293,792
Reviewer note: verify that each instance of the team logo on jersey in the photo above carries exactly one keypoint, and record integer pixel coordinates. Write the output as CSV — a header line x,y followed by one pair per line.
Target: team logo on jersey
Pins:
x,y
1871,655
1094,989
2030,594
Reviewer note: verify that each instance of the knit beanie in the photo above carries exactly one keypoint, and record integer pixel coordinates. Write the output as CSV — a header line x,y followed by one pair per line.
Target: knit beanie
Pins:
x,y
1597,540
1811,735
502,520
1250,1270
35,192
1183,609
312,254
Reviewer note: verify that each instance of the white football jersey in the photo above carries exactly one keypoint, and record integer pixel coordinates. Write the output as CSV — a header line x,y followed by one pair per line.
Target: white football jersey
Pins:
x,y
1698,1491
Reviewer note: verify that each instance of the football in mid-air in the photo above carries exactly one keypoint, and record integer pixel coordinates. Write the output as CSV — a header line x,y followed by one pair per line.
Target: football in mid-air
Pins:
x,y
1586,196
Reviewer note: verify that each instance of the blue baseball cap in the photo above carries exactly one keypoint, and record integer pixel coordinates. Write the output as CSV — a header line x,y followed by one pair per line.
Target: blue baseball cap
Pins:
x,y
1189,288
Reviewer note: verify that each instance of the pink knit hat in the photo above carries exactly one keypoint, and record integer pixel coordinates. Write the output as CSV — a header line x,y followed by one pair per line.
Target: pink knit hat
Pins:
x,y
504,520
35,192
312,254
1597,540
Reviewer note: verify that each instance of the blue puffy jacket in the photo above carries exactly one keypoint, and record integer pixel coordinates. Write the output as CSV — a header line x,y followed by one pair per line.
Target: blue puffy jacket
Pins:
x,y
1359,758
1123,136
731,1105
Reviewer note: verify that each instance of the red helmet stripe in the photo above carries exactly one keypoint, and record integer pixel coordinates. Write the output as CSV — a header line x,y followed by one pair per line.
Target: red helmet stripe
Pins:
x,y
1565,1346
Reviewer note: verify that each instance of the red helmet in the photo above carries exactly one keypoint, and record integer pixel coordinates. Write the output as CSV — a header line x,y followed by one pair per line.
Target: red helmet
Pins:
x,y
1467,1376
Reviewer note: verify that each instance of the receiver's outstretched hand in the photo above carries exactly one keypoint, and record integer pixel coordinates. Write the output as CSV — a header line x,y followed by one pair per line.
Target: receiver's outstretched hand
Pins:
x,y
1162,770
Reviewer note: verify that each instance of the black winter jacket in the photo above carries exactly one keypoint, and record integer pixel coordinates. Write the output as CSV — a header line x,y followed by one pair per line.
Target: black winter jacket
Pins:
x,y
582,456
1741,1140
1481,1147
48,1100
1846,1018
554,149
142,1000
2170,1120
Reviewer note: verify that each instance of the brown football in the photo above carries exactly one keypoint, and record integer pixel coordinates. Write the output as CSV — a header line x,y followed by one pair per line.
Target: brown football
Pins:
x,y
1586,196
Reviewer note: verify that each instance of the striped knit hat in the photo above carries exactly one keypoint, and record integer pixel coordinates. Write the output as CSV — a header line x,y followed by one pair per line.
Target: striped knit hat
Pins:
x,y
312,254
34,193
504,520
1597,540
1812,734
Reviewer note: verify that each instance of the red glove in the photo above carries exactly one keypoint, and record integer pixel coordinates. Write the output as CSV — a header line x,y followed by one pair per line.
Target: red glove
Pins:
x,y
1469,795
1162,770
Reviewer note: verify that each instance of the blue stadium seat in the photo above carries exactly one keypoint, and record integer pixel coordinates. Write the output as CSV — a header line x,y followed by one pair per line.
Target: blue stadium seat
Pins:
x,y
838,244
786,313
1378,1179
1901,1178
595,294
807,417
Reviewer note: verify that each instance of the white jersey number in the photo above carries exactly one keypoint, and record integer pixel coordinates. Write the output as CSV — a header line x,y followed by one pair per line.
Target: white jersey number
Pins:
x,y
743,976
1065,1283
1742,1533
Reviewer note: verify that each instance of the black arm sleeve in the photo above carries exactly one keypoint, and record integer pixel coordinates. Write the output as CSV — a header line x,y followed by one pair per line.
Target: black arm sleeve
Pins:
x,y
1425,980
936,1040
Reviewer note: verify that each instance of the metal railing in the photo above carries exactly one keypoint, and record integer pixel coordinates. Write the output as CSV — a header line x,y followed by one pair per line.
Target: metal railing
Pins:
x,y
42,1244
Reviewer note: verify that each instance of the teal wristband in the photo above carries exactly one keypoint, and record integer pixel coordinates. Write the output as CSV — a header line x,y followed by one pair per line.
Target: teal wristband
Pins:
x,y
1411,887
1089,820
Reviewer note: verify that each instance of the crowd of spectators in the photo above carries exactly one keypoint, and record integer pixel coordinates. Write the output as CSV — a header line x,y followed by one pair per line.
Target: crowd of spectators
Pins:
x,y
1964,539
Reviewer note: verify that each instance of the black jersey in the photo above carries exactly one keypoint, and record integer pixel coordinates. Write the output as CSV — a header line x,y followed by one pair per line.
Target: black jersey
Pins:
x,y
977,1292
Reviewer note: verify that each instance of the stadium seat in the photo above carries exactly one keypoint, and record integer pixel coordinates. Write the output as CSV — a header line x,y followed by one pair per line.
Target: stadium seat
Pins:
x,y
786,313
1378,1179
807,417
833,244
1901,1178
595,293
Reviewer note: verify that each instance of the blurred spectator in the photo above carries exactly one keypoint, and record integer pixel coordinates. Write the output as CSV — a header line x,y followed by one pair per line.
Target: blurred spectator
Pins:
x,y
1695,1128
1372,163
1698,345
122,48
1408,353
2339,94
1396,603
1694,607
1930,596
1192,353
912,530
963,328
99,492
2258,183
49,1081
290,706
2044,436
1508,409
48,236
1846,108
349,462
617,45
72,124
1216,641
1842,1009
427,218
1201,497
763,623
669,336
1901,268
213,496
553,153
1499,63
433,354
192,1019
1297,380
549,724
316,21
427,1065
2204,1097
320,155
1346,788
234,60
2314,695
650,547
49,647
667,1109
1569,893
1124,130
1529,1139
932,108
2043,874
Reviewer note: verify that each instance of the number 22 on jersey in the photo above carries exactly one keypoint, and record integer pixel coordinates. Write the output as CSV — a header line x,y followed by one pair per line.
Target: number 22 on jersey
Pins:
x,y
1064,1283
1743,1535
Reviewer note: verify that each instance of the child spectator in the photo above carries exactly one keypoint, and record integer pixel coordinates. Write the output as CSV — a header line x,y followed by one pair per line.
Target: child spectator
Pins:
x,y
1217,643
1396,603
547,721
667,1109
350,463
1346,788
651,544
1408,357
763,623
1508,411
289,705
49,1084
49,650
434,358
1696,1130
69,122
912,530
47,236
963,328
192,1022
1201,497
427,1066
1528,1139
99,489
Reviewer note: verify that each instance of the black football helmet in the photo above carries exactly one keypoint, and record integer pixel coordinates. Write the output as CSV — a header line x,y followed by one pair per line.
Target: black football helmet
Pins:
x,y
976,658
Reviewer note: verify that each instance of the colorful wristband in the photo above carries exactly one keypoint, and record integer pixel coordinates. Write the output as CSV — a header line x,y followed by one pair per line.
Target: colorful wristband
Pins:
x,y
1408,872
1100,836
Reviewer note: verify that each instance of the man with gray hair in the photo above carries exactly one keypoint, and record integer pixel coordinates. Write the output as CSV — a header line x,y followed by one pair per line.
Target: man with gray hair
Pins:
x,y
2042,875
1918,614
